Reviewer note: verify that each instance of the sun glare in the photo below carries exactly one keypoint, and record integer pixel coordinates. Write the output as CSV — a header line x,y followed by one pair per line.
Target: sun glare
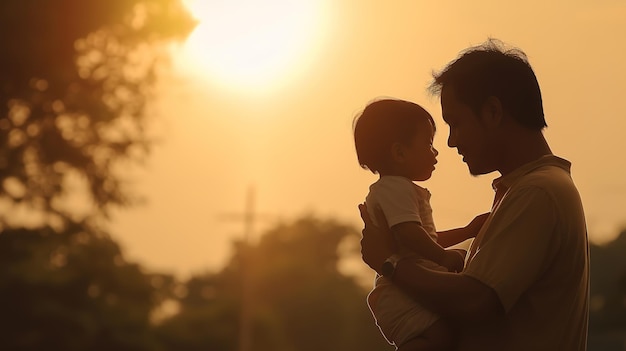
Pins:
x,y
250,42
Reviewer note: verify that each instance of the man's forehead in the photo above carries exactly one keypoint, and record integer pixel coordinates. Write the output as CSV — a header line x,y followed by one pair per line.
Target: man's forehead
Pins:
x,y
449,103
446,101
448,96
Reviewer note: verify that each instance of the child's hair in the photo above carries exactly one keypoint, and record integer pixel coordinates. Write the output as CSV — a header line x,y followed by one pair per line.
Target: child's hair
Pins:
x,y
381,124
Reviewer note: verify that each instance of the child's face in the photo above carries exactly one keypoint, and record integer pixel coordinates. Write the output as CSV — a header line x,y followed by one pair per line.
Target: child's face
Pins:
x,y
419,156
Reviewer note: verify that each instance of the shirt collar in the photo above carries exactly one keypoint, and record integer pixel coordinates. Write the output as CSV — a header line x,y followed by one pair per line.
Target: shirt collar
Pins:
x,y
505,182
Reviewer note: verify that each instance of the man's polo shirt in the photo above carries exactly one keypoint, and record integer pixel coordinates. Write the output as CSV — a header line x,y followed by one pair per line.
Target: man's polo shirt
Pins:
x,y
533,252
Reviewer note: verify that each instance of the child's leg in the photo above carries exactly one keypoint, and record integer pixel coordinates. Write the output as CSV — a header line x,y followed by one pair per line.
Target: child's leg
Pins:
x,y
438,337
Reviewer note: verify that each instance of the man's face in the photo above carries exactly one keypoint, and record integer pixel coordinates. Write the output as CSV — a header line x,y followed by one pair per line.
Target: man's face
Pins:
x,y
467,134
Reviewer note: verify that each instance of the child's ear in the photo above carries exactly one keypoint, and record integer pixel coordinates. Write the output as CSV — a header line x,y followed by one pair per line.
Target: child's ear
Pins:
x,y
397,152
492,112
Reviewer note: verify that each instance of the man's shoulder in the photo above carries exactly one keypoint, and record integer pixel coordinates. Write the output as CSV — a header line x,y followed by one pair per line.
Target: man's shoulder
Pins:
x,y
548,187
549,178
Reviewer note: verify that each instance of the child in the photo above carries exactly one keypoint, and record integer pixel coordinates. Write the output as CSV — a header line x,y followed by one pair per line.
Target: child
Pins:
x,y
394,138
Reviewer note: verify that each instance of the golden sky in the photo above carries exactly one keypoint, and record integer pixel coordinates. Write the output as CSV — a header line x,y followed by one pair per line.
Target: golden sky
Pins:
x,y
279,120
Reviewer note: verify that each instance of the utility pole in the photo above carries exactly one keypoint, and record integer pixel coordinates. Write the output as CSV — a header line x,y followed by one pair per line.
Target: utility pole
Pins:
x,y
249,218
245,332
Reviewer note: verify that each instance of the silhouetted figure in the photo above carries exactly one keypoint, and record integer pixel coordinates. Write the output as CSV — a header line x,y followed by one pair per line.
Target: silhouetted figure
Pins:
x,y
526,279
394,139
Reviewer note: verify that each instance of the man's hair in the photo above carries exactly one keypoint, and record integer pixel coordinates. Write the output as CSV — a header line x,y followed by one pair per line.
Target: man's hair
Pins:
x,y
491,70
381,124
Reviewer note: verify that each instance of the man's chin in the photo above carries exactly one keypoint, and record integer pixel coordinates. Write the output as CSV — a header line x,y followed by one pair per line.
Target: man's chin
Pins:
x,y
479,171
476,170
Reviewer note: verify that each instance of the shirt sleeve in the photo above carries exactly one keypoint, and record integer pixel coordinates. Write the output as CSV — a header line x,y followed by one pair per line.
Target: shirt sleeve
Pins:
x,y
518,244
398,200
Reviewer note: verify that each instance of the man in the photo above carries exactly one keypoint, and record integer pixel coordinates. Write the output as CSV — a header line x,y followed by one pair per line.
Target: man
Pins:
x,y
525,285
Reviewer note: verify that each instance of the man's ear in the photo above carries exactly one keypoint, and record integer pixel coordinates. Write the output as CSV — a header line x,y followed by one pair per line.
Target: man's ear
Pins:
x,y
491,113
397,152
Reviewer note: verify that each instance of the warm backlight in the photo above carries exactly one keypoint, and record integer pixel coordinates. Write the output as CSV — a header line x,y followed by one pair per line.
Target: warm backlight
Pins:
x,y
250,42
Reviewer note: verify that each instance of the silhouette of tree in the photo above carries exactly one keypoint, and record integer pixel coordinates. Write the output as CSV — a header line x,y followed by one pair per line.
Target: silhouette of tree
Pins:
x,y
75,76
300,300
74,291
608,285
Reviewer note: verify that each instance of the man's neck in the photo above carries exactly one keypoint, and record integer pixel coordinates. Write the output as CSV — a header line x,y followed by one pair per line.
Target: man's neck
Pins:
x,y
529,147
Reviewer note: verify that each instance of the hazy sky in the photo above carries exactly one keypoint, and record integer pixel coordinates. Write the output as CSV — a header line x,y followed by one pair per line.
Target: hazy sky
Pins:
x,y
285,129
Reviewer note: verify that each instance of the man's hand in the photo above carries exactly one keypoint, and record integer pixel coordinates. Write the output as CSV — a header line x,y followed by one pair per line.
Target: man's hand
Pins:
x,y
377,243
453,260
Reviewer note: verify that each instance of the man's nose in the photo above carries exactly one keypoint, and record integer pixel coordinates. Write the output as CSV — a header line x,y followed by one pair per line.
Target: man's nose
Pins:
x,y
451,140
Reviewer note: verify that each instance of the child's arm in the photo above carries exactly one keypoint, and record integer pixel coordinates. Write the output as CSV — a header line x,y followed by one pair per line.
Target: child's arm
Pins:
x,y
455,236
412,236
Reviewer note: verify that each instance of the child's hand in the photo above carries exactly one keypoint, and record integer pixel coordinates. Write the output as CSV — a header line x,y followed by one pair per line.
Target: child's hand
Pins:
x,y
453,260
476,224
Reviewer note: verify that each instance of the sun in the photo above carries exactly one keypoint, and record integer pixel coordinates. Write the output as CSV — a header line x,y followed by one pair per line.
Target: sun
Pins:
x,y
251,42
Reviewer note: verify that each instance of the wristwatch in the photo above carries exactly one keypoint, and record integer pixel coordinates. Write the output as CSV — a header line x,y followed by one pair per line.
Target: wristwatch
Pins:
x,y
389,265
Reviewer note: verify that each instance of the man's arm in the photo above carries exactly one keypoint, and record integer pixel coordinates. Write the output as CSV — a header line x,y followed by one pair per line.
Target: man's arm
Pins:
x,y
455,296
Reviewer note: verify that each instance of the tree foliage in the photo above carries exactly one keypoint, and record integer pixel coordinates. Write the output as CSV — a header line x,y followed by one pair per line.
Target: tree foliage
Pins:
x,y
74,291
608,285
299,300
75,77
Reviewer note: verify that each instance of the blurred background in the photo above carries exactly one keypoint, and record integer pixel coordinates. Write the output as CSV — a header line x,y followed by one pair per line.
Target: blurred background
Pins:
x,y
181,175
